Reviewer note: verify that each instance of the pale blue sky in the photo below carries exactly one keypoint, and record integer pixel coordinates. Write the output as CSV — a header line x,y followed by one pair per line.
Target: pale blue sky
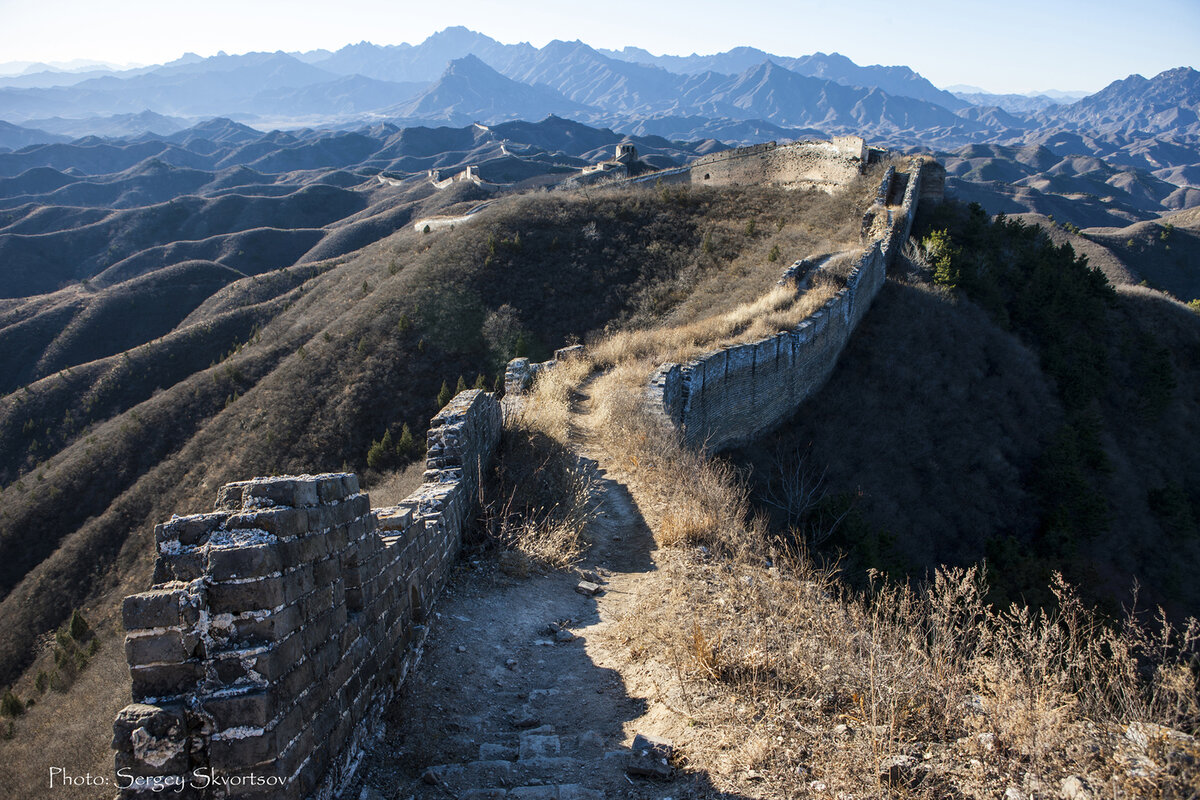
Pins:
x,y
1015,45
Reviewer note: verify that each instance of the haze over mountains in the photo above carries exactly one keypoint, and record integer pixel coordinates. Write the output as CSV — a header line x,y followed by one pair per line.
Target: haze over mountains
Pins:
x,y
1124,154
455,76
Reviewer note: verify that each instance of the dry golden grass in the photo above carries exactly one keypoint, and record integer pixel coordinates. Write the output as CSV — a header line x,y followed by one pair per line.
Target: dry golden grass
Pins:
x,y
787,683
784,682
544,492
779,309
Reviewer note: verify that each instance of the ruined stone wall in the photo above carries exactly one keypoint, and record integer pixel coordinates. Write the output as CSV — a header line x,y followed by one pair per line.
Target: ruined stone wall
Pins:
x,y
823,165
280,624
799,165
733,395
520,372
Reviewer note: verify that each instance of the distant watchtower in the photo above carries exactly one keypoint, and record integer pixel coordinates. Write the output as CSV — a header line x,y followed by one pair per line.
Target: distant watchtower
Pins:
x,y
626,154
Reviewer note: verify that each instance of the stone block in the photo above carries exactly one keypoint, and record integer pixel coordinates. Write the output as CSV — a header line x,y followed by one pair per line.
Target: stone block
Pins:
x,y
165,680
159,721
282,522
251,561
282,491
185,566
156,648
151,740
231,496
273,627
189,531
650,756
331,488
157,608
253,709
228,751
234,598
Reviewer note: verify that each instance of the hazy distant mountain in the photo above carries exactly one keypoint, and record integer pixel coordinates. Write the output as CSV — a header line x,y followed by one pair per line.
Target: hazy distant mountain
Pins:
x,y
742,94
424,62
771,92
220,84
1019,103
1167,103
470,90
353,94
897,80
14,137
587,77
115,126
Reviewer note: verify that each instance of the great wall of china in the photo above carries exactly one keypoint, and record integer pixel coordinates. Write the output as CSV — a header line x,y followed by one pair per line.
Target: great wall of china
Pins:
x,y
281,624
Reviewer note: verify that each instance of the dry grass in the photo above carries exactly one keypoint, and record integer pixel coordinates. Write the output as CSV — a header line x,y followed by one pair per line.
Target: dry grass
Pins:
x,y
779,309
543,493
787,683
392,487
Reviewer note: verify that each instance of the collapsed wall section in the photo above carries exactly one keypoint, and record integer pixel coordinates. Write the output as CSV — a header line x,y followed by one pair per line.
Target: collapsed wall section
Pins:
x,y
280,624
735,394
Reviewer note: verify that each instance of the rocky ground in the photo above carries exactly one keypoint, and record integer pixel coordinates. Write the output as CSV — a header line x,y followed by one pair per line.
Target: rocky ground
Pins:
x,y
524,691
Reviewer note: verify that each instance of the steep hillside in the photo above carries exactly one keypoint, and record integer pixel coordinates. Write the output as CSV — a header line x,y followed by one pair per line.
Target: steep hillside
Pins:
x,y
1048,423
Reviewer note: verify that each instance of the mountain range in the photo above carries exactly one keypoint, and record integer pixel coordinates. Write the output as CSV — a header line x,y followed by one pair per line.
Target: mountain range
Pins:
x,y
461,76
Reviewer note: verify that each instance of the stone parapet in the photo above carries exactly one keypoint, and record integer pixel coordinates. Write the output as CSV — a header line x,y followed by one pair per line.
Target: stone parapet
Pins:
x,y
280,624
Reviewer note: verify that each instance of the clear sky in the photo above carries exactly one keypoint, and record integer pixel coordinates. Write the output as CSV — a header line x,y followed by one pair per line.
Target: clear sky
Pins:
x,y
1005,46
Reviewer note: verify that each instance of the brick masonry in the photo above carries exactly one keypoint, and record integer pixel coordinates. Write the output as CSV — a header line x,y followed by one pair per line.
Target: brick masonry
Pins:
x,y
280,624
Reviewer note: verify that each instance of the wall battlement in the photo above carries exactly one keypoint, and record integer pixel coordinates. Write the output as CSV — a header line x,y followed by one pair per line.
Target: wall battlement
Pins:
x,y
280,624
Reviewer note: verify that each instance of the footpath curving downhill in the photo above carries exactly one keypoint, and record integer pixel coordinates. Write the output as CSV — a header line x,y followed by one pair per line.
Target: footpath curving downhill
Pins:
x,y
524,693
283,649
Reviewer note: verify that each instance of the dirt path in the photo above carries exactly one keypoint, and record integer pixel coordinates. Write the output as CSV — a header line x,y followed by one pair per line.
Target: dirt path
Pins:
x,y
520,694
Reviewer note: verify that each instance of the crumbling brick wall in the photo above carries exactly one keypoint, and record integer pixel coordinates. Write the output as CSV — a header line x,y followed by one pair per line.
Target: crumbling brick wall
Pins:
x,y
279,625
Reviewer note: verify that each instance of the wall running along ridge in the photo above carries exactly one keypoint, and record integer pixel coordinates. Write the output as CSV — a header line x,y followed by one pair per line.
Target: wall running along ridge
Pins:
x,y
735,394
279,625
797,165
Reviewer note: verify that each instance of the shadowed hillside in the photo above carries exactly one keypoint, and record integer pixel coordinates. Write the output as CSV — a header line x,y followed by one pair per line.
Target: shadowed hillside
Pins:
x,y
1004,402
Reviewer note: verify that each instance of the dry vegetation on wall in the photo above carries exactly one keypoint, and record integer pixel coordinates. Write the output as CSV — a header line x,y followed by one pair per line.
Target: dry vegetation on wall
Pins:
x,y
542,495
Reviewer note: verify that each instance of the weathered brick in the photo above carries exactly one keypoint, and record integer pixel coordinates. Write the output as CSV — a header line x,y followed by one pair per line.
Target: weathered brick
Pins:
x,y
165,680
188,531
255,709
185,566
156,648
227,754
284,491
330,488
235,598
159,721
231,496
326,571
274,627
157,608
283,521
249,561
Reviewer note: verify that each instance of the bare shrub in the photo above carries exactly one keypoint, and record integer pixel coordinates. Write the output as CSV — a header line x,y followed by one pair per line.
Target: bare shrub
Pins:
x,y
542,498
